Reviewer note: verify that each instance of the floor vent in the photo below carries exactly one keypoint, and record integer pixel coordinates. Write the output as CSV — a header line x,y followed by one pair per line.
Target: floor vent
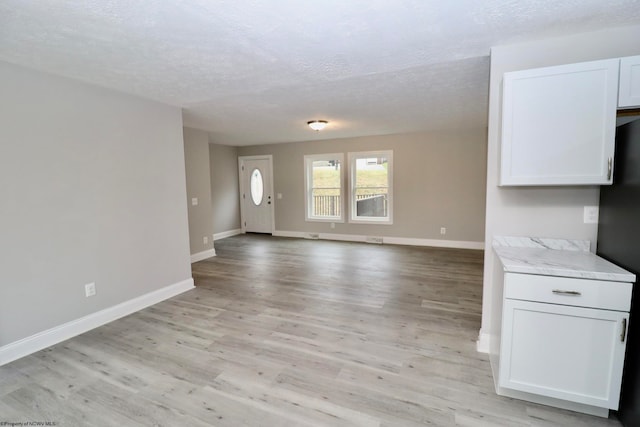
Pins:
x,y
312,236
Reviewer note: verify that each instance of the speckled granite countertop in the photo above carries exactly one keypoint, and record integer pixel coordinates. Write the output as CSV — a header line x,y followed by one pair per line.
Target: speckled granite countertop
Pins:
x,y
556,257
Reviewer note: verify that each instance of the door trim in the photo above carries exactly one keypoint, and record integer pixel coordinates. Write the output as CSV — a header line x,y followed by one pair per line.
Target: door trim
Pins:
x,y
241,160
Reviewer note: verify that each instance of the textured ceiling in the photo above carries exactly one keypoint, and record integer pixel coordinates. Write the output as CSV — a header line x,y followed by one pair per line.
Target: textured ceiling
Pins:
x,y
254,71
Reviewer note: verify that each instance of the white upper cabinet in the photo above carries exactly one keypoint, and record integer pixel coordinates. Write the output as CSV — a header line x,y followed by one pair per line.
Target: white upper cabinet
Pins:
x,y
559,123
629,82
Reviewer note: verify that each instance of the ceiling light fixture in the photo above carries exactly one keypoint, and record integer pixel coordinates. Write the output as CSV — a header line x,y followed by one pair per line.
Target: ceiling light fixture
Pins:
x,y
317,124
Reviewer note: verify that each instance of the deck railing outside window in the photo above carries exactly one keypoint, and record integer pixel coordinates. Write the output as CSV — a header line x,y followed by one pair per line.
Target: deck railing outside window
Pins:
x,y
329,204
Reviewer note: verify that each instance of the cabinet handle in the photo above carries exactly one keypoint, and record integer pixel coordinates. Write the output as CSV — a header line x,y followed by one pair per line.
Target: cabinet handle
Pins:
x,y
609,168
570,293
623,334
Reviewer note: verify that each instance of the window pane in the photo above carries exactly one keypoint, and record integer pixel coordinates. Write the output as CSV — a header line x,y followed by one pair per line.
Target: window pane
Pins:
x,y
257,187
372,187
325,188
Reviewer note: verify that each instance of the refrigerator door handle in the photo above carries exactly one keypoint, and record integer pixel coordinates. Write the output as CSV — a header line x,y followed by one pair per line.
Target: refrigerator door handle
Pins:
x,y
609,168
623,334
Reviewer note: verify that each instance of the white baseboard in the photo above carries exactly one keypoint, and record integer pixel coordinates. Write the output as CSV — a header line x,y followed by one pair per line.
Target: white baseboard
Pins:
x,y
458,244
203,255
55,335
341,237
297,234
482,345
229,233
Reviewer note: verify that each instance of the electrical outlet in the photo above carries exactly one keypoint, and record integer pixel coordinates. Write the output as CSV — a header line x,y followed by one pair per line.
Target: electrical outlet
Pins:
x,y
333,225
443,230
194,201
591,214
89,289
205,240
279,196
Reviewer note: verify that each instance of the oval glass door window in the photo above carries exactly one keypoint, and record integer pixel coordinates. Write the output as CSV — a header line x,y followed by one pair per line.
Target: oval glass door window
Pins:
x,y
257,187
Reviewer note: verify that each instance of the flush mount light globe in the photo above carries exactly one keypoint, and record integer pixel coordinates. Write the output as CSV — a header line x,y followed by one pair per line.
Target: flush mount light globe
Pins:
x,y
317,124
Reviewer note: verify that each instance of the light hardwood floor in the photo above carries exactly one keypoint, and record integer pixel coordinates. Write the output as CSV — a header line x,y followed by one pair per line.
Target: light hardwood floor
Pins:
x,y
286,332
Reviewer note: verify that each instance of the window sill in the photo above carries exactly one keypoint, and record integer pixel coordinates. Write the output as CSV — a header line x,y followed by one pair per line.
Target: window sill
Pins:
x,y
336,220
371,221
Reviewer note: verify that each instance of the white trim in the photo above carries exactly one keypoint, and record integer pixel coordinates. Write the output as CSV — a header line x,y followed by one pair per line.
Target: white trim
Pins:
x,y
225,234
308,182
296,234
203,255
241,160
482,345
57,334
342,237
353,203
457,244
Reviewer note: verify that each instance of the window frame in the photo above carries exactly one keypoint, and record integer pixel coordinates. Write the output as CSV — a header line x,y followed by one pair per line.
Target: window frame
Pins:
x,y
308,182
353,157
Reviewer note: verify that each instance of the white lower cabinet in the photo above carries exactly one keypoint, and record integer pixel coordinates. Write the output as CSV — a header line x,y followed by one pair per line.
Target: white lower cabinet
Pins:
x,y
558,348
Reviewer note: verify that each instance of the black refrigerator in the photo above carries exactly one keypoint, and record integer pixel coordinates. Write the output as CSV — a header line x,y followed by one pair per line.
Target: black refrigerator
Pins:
x,y
619,242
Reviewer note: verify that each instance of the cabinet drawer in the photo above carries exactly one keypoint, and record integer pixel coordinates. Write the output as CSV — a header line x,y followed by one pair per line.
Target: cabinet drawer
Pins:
x,y
568,291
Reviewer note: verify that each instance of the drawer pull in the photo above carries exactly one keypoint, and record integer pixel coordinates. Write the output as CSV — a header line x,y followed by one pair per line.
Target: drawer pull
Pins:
x,y
623,334
569,293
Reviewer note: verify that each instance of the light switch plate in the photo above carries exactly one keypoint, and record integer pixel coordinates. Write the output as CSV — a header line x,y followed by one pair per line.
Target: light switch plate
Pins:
x,y
591,214
89,289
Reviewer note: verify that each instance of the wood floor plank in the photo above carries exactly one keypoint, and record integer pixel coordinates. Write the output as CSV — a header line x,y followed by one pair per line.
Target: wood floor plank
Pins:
x,y
287,332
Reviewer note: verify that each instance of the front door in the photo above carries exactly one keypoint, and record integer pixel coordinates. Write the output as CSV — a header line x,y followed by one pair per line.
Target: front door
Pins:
x,y
256,194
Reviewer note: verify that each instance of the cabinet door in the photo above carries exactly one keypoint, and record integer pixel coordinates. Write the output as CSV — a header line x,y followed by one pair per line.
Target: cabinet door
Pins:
x,y
570,353
629,96
558,124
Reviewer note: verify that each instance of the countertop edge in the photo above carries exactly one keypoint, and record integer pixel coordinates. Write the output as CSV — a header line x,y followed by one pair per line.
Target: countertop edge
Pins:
x,y
566,264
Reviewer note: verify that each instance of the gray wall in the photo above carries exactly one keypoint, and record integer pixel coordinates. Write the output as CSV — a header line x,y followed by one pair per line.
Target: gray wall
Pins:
x,y
438,182
93,190
535,211
196,156
225,197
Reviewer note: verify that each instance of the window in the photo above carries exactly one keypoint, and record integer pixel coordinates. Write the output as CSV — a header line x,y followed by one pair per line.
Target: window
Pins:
x,y
371,185
323,176
257,187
